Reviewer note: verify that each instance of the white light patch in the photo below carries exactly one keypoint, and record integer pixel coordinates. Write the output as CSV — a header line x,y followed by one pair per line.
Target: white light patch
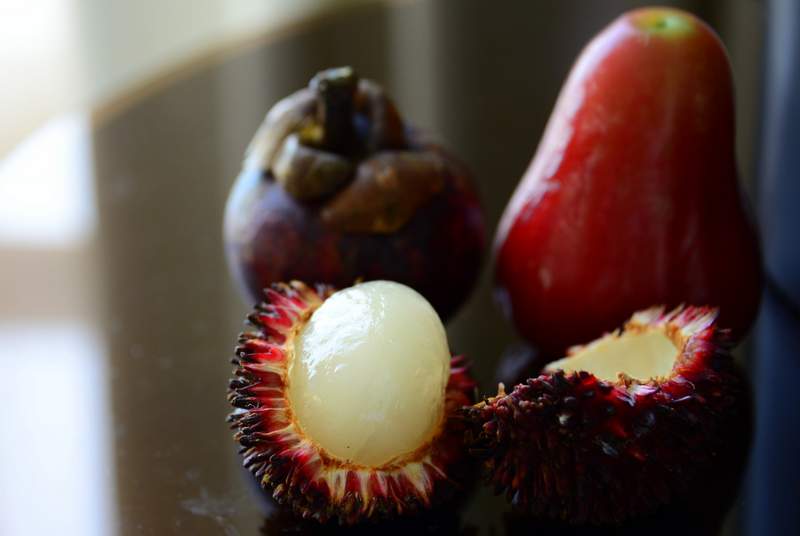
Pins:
x,y
56,470
46,187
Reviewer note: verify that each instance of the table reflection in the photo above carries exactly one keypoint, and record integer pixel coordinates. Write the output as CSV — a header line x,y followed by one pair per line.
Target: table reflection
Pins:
x,y
58,451
117,314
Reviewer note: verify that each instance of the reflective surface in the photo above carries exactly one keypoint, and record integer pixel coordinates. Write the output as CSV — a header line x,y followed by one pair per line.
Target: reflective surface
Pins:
x,y
118,316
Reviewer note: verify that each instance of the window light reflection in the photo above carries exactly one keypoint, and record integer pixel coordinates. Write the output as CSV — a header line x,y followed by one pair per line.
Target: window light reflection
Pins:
x,y
46,187
56,470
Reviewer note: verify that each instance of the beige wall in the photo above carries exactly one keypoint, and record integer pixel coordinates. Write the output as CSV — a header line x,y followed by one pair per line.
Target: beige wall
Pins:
x,y
60,55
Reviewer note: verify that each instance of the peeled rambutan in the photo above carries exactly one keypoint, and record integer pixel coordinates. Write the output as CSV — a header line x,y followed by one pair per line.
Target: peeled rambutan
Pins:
x,y
347,402
636,420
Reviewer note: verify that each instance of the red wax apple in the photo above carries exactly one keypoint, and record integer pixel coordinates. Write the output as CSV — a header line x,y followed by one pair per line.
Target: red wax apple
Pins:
x,y
632,198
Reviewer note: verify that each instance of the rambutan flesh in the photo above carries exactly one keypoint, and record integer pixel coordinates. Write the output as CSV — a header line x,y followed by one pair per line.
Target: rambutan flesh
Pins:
x,y
347,402
620,427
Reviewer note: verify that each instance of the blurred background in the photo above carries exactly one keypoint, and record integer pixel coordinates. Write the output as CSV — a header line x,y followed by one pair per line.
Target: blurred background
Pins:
x,y
122,128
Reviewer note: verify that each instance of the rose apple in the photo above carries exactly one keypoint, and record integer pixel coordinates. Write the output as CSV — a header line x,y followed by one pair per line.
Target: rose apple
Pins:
x,y
632,198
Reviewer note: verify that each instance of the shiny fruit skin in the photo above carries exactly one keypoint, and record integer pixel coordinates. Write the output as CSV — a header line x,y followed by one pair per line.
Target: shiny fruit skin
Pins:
x,y
272,237
632,198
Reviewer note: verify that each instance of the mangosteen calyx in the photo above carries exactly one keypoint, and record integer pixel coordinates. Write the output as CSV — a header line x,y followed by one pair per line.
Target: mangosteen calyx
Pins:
x,y
341,145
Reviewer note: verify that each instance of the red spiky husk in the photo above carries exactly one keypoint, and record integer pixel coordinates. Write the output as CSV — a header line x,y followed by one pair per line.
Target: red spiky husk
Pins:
x,y
575,447
300,473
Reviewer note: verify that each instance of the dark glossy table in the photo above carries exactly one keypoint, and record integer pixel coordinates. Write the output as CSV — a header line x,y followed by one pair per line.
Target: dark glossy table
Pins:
x,y
142,309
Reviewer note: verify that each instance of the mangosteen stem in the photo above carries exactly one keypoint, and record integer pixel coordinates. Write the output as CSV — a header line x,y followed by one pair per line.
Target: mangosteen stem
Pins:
x,y
335,90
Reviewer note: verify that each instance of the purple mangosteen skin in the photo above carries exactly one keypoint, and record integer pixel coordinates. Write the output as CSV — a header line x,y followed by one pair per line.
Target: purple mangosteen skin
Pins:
x,y
337,188
271,237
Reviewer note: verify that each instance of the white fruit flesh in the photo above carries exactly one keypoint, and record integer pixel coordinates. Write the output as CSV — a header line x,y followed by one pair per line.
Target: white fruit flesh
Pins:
x,y
639,355
368,377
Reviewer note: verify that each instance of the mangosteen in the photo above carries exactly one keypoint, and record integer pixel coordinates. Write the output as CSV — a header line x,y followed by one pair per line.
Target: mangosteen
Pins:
x,y
337,187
